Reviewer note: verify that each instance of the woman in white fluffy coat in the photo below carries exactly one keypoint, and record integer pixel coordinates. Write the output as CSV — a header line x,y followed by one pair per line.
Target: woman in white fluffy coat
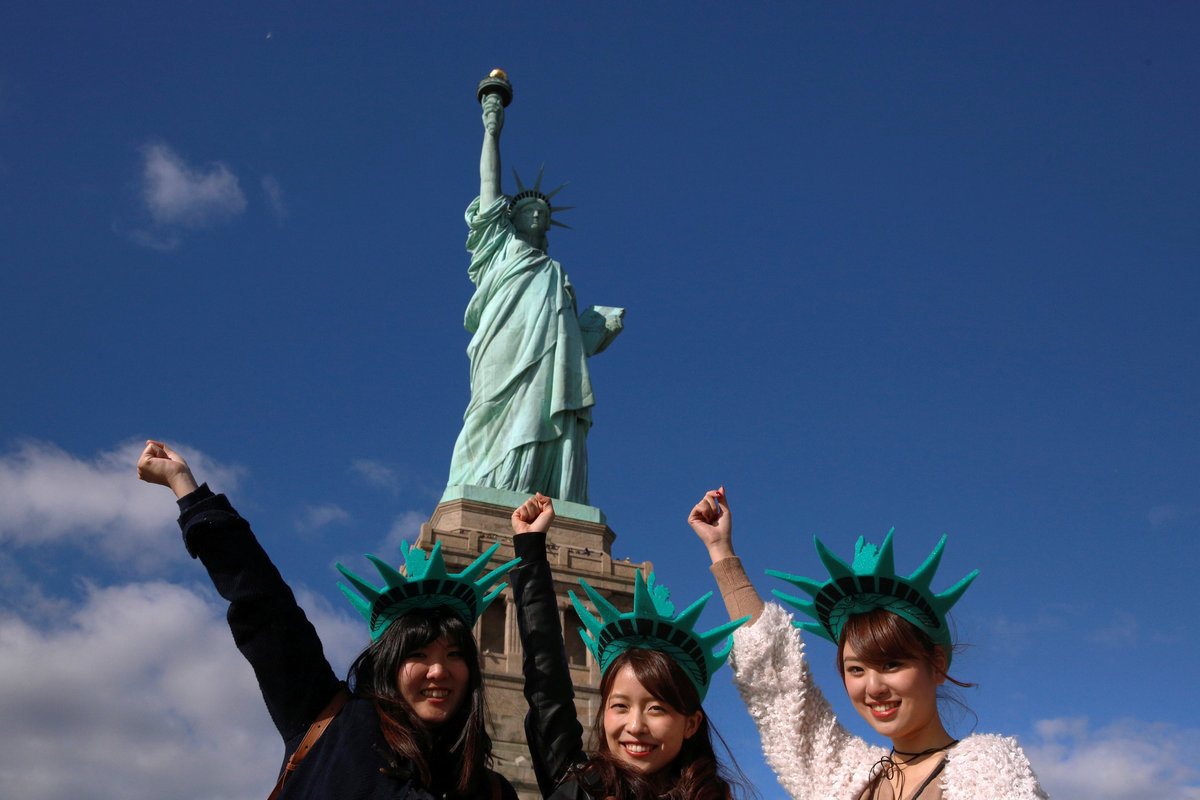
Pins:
x,y
813,756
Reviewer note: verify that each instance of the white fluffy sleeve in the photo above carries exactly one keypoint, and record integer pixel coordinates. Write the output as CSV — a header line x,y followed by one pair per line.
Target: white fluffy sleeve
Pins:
x,y
986,766
811,753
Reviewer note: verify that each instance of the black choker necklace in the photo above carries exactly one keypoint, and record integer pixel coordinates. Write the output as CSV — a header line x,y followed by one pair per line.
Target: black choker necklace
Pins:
x,y
887,767
930,751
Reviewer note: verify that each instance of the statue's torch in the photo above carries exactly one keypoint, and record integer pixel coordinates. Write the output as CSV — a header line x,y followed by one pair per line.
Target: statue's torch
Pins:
x,y
495,83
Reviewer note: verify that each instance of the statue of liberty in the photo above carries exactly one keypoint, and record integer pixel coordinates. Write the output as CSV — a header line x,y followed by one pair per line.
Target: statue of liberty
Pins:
x,y
525,428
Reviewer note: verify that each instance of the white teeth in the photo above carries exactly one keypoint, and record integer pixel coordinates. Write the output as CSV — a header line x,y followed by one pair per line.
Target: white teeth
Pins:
x,y
436,693
883,706
638,748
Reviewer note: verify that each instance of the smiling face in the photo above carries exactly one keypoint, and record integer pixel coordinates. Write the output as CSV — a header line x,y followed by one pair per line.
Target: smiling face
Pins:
x,y
642,731
892,673
434,680
898,698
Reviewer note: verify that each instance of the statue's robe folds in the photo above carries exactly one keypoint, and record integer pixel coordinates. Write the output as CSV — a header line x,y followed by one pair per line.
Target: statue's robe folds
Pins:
x,y
526,426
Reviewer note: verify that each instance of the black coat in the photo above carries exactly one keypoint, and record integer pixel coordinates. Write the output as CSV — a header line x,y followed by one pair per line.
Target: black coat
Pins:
x,y
551,726
351,760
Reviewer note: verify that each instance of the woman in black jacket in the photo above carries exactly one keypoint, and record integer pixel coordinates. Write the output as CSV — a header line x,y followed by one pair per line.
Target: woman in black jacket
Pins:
x,y
652,737
412,724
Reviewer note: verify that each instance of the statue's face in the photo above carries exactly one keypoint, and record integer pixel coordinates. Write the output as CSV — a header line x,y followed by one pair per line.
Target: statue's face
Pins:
x,y
532,218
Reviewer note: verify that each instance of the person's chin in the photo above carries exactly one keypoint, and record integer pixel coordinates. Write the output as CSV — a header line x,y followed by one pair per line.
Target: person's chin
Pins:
x,y
432,714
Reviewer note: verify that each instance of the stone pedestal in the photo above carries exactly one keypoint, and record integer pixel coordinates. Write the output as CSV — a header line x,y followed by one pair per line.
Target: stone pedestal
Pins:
x,y
577,548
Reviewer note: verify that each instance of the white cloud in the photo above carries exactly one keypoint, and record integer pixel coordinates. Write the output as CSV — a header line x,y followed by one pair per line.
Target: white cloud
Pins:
x,y
177,194
274,194
376,473
48,496
138,693
1122,761
315,517
405,528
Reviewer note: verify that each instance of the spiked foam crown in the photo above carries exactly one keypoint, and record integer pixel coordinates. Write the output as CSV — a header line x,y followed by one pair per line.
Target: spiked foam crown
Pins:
x,y
870,583
535,195
652,625
427,585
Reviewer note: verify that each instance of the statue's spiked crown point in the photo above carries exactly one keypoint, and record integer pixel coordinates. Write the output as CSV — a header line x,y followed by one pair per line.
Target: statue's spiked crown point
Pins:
x,y
871,582
535,195
426,585
652,625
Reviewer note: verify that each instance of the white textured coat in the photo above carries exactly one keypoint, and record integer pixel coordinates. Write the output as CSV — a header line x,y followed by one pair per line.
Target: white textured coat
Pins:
x,y
815,758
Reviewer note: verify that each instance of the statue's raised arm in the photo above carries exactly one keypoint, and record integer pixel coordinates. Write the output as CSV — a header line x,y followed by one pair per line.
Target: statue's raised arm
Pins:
x,y
493,103
526,426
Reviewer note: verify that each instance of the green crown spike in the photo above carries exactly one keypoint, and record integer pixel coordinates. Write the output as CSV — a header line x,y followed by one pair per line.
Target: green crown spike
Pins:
x,y
652,625
536,195
427,585
872,583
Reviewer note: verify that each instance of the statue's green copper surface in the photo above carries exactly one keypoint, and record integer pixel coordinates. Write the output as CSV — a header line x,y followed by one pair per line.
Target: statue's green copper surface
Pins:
x,y
525,428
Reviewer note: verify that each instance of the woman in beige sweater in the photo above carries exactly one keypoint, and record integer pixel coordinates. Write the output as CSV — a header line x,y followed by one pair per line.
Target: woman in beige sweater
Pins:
x,y
891,669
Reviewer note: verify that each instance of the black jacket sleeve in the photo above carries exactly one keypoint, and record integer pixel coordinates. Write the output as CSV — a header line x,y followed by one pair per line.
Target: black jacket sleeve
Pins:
x,y
269,628
551,726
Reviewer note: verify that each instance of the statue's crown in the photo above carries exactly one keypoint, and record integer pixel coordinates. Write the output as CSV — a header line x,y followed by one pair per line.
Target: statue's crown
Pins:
x,y
652,625
427,585
870,583
535,195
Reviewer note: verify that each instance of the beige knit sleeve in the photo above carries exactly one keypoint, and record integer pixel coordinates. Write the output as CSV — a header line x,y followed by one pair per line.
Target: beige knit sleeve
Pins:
x,y
739,594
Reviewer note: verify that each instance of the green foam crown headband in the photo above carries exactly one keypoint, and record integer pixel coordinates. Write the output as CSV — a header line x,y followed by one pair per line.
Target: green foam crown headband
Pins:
x,y
427,585
872,583
652,625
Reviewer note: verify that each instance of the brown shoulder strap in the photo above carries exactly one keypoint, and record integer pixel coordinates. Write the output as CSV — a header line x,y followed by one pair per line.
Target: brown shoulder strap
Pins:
x,y
314,732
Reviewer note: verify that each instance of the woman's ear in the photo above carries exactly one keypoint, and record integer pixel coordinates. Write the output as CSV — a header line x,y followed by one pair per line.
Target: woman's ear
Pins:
x,y
939,665
691,724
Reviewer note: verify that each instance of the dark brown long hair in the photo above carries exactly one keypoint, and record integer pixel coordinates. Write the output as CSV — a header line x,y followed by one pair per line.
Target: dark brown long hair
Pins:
x,y
695,774
374,675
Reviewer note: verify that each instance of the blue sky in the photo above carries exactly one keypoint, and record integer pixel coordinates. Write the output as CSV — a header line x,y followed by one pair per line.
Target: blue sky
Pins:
x,y
931,267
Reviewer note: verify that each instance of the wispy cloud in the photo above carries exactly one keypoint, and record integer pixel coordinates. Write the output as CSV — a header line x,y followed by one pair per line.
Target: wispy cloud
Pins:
x,y
316,517
274,196
396,480
49,496
376,473
1121,631
178,194
179,197
1127,759
1017,634
405,528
